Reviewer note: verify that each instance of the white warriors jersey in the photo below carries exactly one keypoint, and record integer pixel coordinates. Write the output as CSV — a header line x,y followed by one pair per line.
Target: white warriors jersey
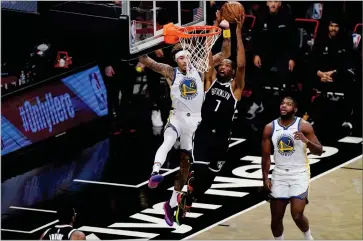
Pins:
x,y
289,154
187,91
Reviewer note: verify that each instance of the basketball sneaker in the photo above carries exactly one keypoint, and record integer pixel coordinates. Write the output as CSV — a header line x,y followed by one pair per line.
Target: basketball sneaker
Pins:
x,y
251,114
190,182
169,213
156,118
155,180
183,207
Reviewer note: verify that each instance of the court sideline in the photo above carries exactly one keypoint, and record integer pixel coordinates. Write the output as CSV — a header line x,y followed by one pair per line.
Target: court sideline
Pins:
x,y
334,211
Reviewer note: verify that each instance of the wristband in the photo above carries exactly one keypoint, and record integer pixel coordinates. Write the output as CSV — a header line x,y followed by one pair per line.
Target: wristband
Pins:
x,y
226,33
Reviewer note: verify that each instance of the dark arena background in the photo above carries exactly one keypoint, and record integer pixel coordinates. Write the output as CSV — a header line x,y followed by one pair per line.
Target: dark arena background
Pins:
x,y
73,136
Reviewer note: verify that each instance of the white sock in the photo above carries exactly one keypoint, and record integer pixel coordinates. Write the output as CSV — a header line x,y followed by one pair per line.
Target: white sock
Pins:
x,y
174,199
280,238
156,167
170,137
253,108
308,236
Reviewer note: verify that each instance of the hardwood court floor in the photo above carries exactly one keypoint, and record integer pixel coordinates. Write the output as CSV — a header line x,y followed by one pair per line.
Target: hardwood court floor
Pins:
x,y
334,212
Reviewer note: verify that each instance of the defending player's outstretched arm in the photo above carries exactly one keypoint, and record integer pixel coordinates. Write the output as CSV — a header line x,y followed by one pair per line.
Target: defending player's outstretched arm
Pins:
x,y
266,152
166,70
209,75
241,61
226,46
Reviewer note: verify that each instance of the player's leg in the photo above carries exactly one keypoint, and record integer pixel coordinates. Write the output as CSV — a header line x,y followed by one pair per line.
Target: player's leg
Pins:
x,y
180,180
181,176
299,190
186,145
277,208
199,181
279,200
297,213
170,136
202,176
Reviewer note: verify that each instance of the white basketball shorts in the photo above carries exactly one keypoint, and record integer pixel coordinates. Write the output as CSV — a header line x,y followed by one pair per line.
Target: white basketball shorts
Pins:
x,y
184,124
290,185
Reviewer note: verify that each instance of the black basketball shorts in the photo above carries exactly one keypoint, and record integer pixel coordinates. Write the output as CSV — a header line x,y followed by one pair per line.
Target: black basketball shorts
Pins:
x,y
210,148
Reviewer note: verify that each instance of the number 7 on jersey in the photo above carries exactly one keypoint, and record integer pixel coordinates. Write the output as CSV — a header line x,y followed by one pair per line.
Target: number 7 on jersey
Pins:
x,y
219,102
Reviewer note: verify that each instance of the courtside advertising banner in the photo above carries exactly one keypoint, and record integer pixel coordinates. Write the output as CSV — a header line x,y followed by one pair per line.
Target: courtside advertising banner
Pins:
x,y
52,108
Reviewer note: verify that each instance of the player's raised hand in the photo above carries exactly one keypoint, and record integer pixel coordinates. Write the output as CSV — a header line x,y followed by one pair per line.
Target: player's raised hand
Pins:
x,y
239,20
224,24
218,17
300,136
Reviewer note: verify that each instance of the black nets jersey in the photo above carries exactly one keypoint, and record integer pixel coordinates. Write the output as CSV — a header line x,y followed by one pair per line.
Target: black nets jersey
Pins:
x,y
59,232
219,107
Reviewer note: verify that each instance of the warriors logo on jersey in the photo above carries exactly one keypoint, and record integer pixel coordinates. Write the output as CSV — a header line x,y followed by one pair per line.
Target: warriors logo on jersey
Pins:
x,y
285,144
188,88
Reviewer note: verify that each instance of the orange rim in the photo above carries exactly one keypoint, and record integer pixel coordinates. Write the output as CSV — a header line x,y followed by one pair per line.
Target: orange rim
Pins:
x,y
172,33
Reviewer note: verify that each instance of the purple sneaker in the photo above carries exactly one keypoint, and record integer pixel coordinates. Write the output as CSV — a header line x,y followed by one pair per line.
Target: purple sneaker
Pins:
x,y
155,179
169,214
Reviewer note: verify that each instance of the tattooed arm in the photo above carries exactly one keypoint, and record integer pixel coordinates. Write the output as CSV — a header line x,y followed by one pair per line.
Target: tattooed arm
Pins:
x,y
166,70
224,54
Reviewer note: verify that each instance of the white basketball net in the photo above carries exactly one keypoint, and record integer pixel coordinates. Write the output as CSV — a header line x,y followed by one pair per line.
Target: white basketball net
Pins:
x,y
198,48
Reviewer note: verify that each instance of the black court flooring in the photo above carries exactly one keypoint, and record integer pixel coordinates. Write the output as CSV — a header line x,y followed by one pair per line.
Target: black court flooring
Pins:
x,y
107,183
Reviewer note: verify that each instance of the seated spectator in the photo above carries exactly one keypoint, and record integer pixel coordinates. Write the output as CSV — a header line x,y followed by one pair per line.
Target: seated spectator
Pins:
x,y
274,46
332,65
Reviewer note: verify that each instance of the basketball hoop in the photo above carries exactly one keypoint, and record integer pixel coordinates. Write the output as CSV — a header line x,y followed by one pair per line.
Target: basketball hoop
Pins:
x,y
197,40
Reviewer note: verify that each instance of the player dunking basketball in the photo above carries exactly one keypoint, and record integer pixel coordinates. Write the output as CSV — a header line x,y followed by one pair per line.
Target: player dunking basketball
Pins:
x,y
187,93
290,136
223,91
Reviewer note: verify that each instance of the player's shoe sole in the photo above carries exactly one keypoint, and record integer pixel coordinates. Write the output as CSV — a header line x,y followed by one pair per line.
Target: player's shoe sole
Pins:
x,y
155,180
169,214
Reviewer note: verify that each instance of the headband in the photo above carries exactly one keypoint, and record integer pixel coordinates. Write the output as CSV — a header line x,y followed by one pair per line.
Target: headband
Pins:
x,y
181,53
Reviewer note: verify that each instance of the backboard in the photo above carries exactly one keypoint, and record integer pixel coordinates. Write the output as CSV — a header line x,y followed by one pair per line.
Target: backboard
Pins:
x,y
146,20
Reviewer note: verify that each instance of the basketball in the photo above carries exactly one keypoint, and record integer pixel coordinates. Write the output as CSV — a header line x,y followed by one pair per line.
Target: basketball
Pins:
x,y
231,10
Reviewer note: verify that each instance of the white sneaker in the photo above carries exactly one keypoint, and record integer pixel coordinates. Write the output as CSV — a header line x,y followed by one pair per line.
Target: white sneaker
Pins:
x,y
157,130
253,110
347,125
156,118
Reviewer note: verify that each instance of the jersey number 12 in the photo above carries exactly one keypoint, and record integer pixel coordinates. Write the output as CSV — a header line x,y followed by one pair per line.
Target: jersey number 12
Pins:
x,y
219,102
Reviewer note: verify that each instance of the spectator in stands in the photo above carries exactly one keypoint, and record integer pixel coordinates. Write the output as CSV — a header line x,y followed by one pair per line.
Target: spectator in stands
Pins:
x,y
154,78
113,70
153,82
333,65
116,82
274,46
